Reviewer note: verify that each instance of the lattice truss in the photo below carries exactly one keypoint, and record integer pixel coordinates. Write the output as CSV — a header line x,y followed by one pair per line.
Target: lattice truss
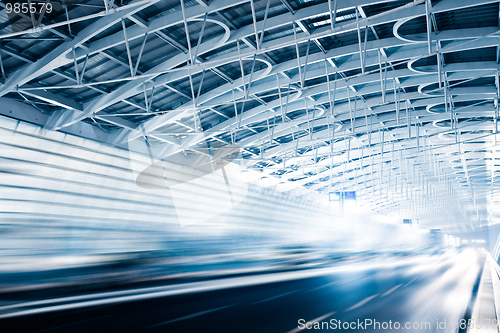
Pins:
x,y
397,100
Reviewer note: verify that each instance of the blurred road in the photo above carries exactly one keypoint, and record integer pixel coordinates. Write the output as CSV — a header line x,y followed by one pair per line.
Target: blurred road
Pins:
x,y
426,289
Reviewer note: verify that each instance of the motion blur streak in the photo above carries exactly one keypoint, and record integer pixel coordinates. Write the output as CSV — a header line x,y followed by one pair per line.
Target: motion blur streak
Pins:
x,y
84,248
440,294
69,203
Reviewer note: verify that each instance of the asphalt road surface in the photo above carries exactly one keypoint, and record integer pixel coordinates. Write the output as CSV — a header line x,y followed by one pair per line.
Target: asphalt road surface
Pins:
x,y
421,292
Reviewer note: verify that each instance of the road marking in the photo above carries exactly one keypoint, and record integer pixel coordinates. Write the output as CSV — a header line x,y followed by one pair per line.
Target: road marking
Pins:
x,y
410,282
326,285
366,300
297,329
390,291
201,313
275,297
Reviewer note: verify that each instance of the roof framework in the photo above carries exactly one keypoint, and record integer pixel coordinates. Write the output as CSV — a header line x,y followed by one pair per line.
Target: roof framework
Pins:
x,y
396,100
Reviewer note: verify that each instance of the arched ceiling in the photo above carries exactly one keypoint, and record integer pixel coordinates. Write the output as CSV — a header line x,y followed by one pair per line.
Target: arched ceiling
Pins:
x,y
396,100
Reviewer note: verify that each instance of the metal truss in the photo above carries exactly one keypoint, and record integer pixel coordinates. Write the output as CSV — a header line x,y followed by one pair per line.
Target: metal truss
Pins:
x,y
386,115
